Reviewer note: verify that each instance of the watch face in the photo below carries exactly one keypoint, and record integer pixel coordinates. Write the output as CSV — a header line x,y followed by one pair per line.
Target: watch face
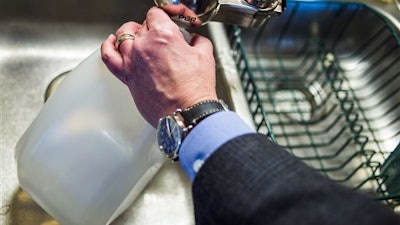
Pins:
x,y
169,136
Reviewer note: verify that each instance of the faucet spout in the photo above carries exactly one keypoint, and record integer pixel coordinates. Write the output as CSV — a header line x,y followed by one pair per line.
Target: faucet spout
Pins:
x,y
244,13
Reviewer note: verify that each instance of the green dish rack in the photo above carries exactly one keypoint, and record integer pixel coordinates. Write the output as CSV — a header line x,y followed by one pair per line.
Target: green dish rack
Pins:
x,y
323,81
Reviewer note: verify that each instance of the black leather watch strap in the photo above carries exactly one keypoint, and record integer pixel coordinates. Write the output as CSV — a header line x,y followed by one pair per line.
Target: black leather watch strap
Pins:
x,y
195,113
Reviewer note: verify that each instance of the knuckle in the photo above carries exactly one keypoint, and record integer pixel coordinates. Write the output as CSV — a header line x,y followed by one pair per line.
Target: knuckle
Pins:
x,y
105,57
152,11
164,33
125,26
130,23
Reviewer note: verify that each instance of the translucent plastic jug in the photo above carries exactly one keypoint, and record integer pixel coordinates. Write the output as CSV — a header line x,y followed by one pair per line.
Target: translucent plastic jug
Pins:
x,y
89,152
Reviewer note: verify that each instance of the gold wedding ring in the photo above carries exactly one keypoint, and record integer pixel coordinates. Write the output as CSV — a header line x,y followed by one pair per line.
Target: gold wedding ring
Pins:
x,y
122,38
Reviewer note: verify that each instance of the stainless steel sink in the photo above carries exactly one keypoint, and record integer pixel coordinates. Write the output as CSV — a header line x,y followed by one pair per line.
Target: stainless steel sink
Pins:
x,y
43,39
39,41
322,80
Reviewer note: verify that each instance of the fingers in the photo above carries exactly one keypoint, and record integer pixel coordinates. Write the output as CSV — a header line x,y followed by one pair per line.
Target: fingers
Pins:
x,y
114,56
157,18
110,55
128,28
125,47
143,30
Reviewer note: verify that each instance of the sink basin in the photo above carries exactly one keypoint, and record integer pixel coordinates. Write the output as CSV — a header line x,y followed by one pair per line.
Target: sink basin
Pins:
x,y
40,43
45,39
322,80
41,40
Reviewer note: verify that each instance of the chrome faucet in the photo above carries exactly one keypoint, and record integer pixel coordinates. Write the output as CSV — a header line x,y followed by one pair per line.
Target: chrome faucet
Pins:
x,y
245,13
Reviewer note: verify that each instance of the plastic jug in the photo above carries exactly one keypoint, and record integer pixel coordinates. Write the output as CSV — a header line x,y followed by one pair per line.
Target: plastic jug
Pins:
x,y
89,152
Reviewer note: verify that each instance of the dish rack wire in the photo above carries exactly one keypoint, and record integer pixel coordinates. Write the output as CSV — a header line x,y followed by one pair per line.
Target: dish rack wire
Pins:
x,y
312,97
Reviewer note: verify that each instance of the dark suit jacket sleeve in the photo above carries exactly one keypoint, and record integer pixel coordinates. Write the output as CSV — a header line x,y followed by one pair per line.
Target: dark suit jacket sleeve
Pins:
x,y
250,180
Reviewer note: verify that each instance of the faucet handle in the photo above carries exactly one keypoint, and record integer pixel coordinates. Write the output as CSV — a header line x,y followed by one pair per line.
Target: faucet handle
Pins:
x,y
248,13
245,13
189,13
264,4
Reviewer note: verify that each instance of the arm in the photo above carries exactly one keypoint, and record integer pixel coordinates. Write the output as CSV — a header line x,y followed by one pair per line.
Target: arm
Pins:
x,y
250,180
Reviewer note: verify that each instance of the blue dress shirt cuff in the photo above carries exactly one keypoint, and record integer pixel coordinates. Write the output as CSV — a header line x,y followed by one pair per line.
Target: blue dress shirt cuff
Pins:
x,y
207,137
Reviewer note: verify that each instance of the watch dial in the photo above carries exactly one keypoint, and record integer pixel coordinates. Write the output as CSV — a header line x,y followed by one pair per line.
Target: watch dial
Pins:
x,y
169,136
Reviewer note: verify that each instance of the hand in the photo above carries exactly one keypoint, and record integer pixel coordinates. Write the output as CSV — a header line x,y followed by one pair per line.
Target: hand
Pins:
x,y
163,72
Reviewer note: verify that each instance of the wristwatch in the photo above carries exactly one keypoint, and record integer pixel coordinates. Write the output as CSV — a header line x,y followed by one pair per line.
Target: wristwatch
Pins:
x,y
172,129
